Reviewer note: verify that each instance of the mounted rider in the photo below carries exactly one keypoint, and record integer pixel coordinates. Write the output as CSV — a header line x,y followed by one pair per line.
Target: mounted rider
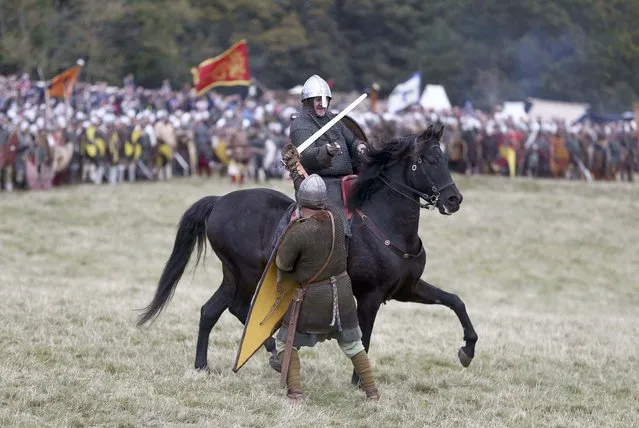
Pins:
x,y
314,251
335,154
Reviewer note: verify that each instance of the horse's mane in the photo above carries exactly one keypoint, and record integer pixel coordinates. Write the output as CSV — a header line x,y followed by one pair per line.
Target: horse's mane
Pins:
x,y
380,156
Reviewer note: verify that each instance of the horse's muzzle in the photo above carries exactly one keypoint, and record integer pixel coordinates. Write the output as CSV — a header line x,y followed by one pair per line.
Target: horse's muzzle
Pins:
x,y
450,202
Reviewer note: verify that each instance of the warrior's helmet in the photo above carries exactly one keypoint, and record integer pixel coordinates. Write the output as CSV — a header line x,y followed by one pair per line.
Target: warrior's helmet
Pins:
x,y
315,86
312,193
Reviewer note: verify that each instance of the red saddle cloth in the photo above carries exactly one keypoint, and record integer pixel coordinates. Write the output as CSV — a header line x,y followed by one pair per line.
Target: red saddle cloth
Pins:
x,y
347,187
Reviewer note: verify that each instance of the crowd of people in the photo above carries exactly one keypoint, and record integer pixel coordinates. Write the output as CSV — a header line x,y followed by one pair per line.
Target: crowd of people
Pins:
x,y
107,134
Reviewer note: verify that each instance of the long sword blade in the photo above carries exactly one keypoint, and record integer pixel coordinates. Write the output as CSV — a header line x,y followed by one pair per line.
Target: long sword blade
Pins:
x,y
330,124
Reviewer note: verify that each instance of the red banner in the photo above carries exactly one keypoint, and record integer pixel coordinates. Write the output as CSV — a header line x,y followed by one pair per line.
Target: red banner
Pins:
x,y
231,68
62,84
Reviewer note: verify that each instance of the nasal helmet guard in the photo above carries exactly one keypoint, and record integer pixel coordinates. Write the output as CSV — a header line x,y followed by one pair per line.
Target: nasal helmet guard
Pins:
x,y
315,86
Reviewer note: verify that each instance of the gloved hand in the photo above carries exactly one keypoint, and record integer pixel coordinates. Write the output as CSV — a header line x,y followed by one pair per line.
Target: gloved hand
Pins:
x,y
333,148
292,160
290,156
361,155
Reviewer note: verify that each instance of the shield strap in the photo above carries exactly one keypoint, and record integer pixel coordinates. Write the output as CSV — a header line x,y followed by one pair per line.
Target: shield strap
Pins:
x,y
297,304
290,337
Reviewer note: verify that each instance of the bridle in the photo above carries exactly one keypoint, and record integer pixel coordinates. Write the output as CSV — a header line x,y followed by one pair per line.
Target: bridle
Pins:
x,y
430,200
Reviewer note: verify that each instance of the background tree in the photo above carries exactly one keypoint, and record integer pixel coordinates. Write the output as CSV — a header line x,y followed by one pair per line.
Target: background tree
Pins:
x,y
485,51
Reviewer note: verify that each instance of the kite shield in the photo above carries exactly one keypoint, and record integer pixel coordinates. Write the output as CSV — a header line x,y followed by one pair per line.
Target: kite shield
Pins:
x,y
269,305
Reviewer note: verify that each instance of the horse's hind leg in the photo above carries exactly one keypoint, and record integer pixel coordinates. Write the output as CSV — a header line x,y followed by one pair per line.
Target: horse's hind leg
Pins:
x,y
428,294
209,315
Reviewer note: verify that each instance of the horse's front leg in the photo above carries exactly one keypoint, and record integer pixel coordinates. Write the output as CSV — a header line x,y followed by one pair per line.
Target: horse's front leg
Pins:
x,y
423,292
367,307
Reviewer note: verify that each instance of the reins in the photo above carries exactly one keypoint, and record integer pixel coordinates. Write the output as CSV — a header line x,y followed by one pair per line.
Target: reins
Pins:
x,y
430,200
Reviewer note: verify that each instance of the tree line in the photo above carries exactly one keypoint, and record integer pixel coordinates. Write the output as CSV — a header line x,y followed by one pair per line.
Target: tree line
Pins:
x,y
483,51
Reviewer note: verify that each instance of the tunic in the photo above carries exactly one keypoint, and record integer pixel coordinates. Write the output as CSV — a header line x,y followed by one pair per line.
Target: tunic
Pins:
x,y
303,251
315,161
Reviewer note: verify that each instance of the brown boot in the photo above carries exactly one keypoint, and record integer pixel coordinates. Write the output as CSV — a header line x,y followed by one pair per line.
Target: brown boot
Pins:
x,y
363,368
293,383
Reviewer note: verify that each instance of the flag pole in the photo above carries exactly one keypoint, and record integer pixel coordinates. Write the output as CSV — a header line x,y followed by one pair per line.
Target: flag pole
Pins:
x,y
67,96
47,107
374,93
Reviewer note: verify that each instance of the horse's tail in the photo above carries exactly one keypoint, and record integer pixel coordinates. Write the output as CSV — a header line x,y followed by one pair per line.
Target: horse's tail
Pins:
x,y
191,232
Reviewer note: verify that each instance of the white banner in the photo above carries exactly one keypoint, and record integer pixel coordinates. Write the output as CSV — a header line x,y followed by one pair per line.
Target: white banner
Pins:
x,y
405,94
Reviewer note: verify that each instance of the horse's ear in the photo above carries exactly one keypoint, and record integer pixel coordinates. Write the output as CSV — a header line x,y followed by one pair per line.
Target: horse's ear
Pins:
x,y
424,138
439,133
427,134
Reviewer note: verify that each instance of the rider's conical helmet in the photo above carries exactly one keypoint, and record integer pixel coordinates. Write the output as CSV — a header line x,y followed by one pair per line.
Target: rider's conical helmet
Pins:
x,y
315,86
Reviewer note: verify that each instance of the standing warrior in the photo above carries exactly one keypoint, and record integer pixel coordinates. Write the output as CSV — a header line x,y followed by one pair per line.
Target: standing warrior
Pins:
x,y
333,155
314,251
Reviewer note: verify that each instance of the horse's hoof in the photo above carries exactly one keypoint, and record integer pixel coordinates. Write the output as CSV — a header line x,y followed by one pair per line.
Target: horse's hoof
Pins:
x,y
464,359
203,369
275,363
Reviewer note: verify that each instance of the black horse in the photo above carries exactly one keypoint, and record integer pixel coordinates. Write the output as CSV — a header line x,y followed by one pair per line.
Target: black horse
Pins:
x,y
386,257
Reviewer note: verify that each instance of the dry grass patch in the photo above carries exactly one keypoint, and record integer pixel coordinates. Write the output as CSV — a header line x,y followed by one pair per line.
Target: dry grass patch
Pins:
x,y
548,271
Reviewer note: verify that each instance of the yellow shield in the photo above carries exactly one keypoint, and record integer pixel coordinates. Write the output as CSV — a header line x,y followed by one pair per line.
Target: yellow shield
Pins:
x,y
510,155
129,149
220,152
268,307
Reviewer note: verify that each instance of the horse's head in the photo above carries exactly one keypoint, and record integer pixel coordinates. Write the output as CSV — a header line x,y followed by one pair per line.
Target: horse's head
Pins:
x,y
428,172
414,167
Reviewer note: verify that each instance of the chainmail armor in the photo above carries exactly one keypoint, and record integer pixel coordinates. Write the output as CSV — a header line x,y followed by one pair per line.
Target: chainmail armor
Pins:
x,y
304,250
305,126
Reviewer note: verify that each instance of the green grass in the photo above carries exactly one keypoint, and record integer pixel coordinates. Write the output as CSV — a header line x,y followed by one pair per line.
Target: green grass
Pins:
x,y
549,272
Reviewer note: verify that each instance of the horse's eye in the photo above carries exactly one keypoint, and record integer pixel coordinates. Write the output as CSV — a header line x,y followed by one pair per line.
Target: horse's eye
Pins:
x,y
433,155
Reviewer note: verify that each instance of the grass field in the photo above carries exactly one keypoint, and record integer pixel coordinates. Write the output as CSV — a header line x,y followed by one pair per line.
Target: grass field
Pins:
x,y
549,272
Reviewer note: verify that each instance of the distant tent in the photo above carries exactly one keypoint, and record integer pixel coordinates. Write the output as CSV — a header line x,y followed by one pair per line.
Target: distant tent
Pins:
x,y
556,110
296,90
513,109
434,98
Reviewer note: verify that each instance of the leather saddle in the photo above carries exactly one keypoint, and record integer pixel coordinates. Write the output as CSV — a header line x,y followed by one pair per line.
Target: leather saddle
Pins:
x,y
347,187
290,214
